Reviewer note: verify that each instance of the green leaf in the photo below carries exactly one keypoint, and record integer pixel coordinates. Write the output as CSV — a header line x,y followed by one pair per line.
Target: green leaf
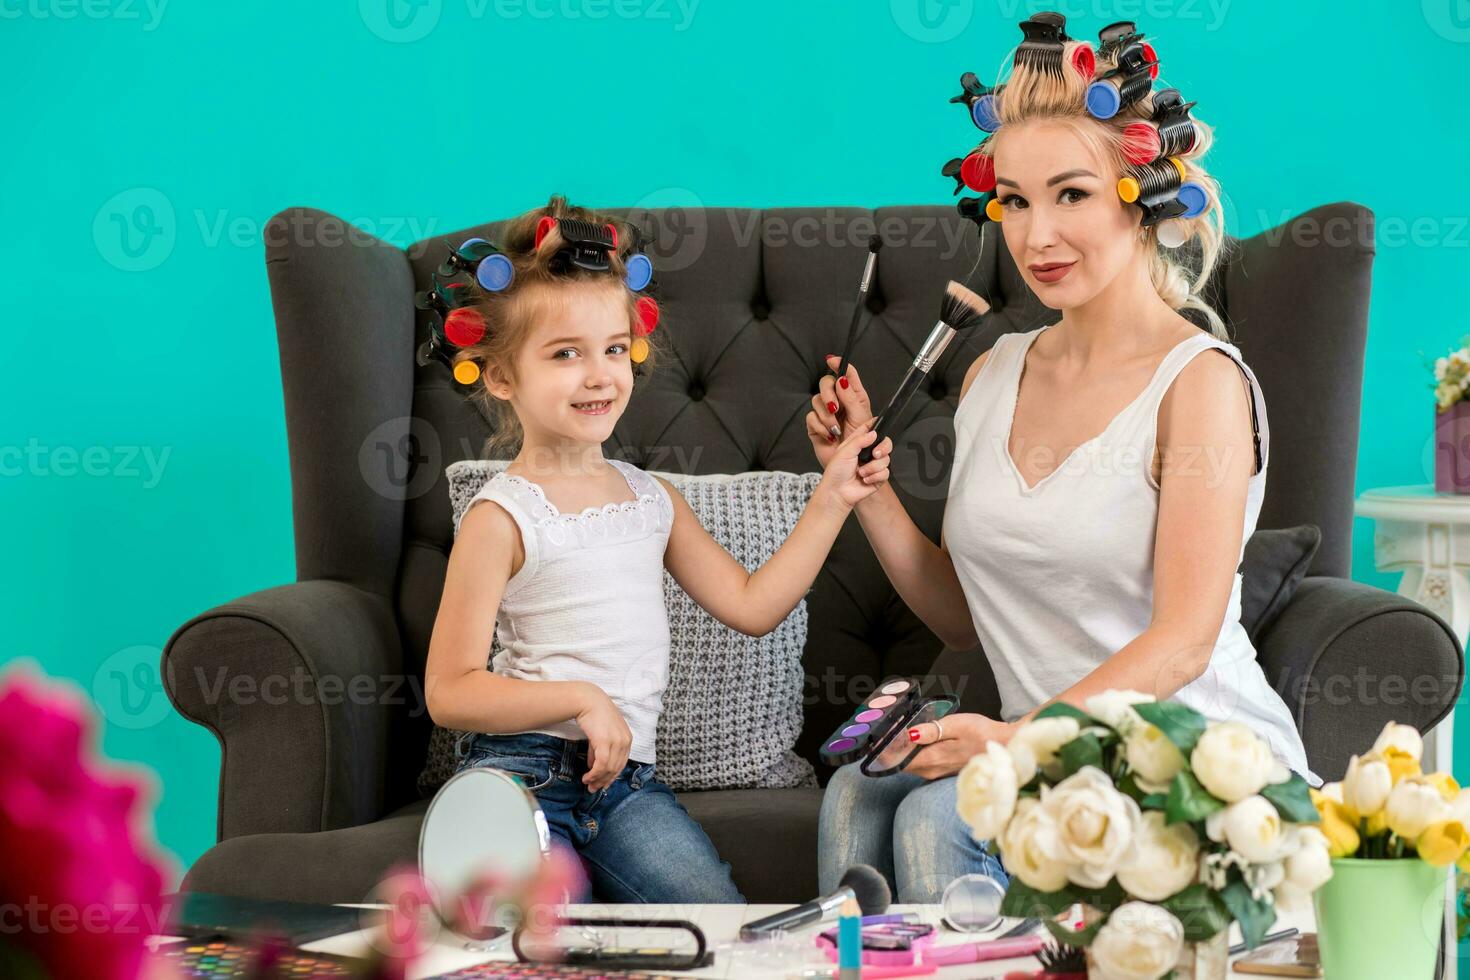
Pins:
x,y
1079,937
1084,750
1061,709
1024,902
1180,723
1128,784
1104,899
1292,800
1201,911
1188,801
1255,917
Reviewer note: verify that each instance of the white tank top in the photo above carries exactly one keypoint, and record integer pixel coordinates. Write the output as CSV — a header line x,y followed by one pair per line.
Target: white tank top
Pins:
x,y
588,603
1059,576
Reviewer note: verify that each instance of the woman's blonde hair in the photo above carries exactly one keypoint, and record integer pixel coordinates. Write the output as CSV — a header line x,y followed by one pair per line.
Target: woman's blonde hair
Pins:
x,y
538,286
1035,92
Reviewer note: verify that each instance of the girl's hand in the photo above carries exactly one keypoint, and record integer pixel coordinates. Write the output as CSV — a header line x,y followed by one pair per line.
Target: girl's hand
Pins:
x,y
608,739
844,479
964,735
852,408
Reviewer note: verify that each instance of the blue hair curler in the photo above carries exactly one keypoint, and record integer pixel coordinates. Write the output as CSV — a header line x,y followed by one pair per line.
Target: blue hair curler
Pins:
x,y
981,101
495,272
1192,195
640,272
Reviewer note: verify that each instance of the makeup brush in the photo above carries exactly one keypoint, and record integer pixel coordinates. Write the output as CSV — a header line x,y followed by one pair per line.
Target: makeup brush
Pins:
x,y
874,244
960,310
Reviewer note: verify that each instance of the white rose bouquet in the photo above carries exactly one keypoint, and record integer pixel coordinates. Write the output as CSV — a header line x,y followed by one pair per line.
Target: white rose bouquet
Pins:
x,y
1166,827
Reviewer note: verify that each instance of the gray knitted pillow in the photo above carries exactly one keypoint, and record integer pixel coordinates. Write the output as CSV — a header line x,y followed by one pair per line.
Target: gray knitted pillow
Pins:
x,y
715,673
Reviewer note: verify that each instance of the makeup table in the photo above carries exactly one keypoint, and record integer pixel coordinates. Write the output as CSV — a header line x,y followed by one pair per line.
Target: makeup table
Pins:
x,y
721,924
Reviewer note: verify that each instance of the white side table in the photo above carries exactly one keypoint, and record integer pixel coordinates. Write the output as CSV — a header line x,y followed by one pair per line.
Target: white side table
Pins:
x,y
1426,535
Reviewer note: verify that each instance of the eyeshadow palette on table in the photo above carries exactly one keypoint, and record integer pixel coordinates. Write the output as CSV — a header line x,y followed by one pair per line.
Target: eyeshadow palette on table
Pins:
x,y
222,958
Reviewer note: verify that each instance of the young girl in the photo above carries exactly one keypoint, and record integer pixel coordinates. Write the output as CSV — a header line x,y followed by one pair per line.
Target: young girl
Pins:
x,y
570,557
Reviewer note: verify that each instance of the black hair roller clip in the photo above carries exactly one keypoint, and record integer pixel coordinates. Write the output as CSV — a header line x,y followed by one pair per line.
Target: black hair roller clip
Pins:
x,y
980,209
491,268
1162,192
1044,39
1177,131
982,101
1130,81
462,326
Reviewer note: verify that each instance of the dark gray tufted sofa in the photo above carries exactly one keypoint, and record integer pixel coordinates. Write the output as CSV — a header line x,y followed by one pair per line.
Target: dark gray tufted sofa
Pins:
x,y
317,792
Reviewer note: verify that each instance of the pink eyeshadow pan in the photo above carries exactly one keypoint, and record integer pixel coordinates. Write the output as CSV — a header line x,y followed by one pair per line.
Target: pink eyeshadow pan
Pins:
x,y
882,701
869,715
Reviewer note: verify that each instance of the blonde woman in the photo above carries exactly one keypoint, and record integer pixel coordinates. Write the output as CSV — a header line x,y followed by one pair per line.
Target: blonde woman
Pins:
x,y
1106,474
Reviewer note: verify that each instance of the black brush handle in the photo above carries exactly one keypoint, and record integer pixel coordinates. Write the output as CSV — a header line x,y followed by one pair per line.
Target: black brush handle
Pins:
x,y
890,416
924,361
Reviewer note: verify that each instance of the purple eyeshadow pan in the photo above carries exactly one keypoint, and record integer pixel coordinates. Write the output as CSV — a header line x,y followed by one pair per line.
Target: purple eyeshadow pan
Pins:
x,y
853,731
870,715
841,744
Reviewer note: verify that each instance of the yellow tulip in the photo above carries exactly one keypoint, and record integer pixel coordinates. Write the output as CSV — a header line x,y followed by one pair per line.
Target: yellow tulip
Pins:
x,y
1443,843
1464,863
1376,825
1448,788
1336,826
1400,763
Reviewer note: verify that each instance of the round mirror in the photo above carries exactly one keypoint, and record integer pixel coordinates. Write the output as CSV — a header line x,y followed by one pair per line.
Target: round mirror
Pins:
x,y
482,821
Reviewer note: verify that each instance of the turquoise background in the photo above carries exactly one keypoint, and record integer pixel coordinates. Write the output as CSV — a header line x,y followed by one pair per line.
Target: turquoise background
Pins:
x,y
191,128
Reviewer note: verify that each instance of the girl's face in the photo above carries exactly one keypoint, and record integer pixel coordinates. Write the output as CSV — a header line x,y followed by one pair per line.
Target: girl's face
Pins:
x,y
1061,208
573,373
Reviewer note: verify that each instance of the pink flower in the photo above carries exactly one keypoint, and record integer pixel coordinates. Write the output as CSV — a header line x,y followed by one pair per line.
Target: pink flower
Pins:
x,y
81,892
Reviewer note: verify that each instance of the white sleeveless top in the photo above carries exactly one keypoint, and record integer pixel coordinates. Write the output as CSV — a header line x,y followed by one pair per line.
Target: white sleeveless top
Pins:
x,y
1059,576
588,603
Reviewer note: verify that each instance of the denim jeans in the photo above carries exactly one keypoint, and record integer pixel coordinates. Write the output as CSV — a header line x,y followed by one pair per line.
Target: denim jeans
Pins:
x,y
637,841
904,826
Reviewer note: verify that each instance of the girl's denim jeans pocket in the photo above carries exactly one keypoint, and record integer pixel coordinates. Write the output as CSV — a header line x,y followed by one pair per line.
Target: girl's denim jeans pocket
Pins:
x,y
535,759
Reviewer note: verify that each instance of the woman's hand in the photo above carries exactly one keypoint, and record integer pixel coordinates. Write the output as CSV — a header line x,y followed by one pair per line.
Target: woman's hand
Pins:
x,y
844,479
827,428
608,738
964,735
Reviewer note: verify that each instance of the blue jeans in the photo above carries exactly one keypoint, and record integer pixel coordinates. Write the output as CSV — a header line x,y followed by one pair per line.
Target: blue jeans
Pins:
x,y
638,842
903,825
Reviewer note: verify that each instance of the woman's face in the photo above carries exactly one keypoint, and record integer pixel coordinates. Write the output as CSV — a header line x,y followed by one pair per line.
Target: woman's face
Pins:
x,y
1061,208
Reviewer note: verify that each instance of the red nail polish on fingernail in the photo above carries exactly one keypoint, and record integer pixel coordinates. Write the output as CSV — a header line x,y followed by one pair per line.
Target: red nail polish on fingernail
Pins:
x,y
832,407
832,439
913,734
842,381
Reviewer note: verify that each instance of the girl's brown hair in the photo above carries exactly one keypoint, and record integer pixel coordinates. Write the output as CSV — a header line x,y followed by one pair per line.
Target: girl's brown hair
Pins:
x,y
1035,93
511,314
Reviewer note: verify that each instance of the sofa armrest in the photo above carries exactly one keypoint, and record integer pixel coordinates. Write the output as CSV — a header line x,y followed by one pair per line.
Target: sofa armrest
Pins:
x,y
299,683
1347,658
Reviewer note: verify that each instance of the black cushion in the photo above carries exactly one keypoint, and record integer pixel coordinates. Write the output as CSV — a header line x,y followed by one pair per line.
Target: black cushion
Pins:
x,y
1275,562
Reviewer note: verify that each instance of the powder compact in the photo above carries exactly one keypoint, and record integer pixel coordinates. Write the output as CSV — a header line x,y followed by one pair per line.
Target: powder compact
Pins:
x,y
877,732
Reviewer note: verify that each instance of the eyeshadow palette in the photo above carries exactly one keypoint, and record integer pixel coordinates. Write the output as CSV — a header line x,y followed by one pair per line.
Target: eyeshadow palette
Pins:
x,y
876,734
226,958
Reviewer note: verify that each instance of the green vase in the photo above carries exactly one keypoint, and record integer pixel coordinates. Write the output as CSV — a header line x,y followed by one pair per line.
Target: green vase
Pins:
x,y
1380,918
